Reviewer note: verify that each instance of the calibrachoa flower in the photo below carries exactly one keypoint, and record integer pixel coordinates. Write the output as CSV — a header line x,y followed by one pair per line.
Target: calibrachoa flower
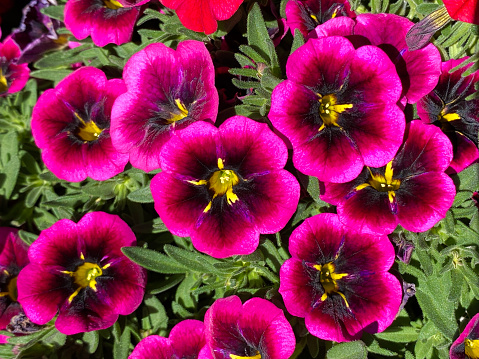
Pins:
x,y
338,280
256,329
305,15
223,187
418,70
186,340
71,124
201,15
411,190
446,107
13,76
79,271
467,345
13,257
167,91
464,10
338,108
107,21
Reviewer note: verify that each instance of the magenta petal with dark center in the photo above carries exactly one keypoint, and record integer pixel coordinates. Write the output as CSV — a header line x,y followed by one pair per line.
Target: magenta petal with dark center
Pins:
x,y
105,25
71,124
167,91
219,187
257,327
13,77
338,108
337,279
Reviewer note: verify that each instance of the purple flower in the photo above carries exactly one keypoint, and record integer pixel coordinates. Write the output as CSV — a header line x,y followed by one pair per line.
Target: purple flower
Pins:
x,y
71,124
467,345
305,15
338,108
338,280
79,271
13,257
13,76
418,70
411,190
223,187
37,32
107,21
186,340
446,107
167,91
256,329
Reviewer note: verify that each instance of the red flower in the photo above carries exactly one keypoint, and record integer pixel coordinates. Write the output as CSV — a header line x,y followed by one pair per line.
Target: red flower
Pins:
x,y
464,10
201,15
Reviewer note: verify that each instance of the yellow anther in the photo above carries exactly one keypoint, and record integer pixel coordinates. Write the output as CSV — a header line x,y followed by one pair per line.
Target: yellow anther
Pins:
x,y
471,348
329,110
257,356
112,4
178,115
3,82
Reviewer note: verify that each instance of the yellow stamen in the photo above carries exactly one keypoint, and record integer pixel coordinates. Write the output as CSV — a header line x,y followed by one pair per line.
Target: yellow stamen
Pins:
x,y
3,83
336,11
328,278
112,4
257,356
471,348
448,117
329,110
11,290
176,116
382,183
314,18
85,276
87,131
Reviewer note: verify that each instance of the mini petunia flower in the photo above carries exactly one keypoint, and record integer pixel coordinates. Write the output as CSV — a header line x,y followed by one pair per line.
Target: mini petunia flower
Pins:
x,y
13,257
464,10
71,124
338,108
256,329
79,271
167,91
467,345
223,187
411,190
338,280
418,70
13,76
201,15
305,15
186,340
446,107
107,21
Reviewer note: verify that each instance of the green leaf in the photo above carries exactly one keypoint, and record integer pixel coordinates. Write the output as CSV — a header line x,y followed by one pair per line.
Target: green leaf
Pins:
x,y
192,260
166,284
399,334
27,237
469,178
154,261
52,75
91,341
243,60
297,41
55,12
121,346
154,315
351,350
142,195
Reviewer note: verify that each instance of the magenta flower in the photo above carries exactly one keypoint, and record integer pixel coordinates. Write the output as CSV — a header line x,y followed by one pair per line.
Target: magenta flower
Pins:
x,y
418,70
13,77
446,107
167,91
338,108
256,329
201,15
305,15
107,21
71,124
79,271
13,257
186,340
411,190
338,280
467,345
223,187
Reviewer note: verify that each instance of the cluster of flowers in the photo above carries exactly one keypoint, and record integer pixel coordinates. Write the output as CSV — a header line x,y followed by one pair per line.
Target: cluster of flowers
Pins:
x,y
341,110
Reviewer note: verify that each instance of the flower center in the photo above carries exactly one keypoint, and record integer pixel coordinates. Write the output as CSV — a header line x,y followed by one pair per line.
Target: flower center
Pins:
x,y
471,348
180,114
11,289
328,279
220,183
87,131
257,356
384,183
447,117
3,82
329,110
112,4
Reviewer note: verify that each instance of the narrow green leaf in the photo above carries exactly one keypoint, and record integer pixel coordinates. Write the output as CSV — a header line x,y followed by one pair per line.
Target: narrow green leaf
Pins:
x,y
258,37
121,346
192,260
142,195
154,315
55,12
165,285
243,60
351,350
245,85
298,40
153,260
27,237
11,171
91,341
52,75
399,334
